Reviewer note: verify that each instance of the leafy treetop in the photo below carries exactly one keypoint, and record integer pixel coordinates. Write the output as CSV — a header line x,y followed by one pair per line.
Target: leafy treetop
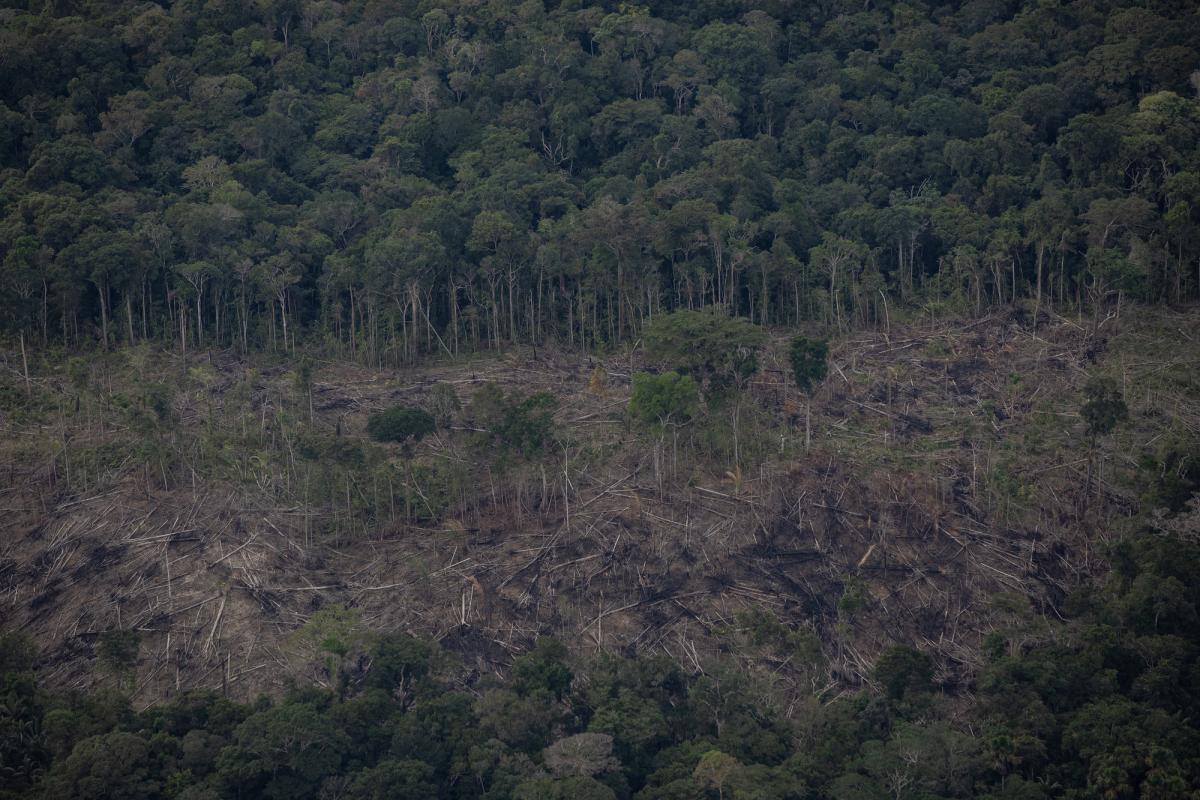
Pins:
x,y
1104,407
663,399
810,361
715,348
400,424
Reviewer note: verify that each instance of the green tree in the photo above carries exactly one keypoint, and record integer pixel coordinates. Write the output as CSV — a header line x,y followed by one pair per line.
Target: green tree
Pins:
x,y
720,352
574,788
518,424
406,779
810,363
117,765
903,670
663,402
714,770
543,669
1103,407
400,424
283,752
1103,410
331,635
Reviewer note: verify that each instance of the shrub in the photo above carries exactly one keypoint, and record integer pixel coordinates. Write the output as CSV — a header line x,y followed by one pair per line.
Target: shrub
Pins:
x,y
400,424
902,670
515,423
443,404
809,359
1103,408
663,399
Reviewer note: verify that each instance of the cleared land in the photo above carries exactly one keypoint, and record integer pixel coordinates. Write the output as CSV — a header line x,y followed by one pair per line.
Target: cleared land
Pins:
x,y
944,497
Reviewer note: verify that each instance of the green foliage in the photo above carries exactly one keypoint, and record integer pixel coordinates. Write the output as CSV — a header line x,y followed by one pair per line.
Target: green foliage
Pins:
x,y
80,374
638,728
303,377
330,449
714,770
430,489
116,765
398,663
663,399
283,752
406,779
518,424
331,630
329,637
810,361
23,754
443,404
118,649
1170,475
17,653
524,722
854,597
709,345
765,630
902,670
400,424
543,669
583,788
1103,407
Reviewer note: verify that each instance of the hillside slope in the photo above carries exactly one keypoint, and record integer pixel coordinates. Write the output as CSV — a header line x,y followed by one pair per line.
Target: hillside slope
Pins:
x,y
213,505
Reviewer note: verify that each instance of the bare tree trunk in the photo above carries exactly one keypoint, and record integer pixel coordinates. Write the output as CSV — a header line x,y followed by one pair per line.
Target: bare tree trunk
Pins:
x,y
283,317
129,315
25,366
45,313
620,296
103,287
512,316
245,323
808,423
199,322
453,290
1037,306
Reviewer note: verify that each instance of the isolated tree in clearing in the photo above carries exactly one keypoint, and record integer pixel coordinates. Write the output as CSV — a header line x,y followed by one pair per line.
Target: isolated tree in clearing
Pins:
x,y
810,365
719,352
1103,410
663,402
400,424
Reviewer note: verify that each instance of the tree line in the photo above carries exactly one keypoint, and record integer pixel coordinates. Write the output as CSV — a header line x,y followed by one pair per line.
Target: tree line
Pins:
x,y
390,177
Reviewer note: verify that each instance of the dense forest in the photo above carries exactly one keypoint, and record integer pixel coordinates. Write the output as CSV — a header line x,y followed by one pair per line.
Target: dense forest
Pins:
x,y
388,177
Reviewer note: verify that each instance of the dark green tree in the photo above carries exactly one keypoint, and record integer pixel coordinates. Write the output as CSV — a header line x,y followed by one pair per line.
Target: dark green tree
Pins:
x,y
809,359
400,424
1103,410
720,352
